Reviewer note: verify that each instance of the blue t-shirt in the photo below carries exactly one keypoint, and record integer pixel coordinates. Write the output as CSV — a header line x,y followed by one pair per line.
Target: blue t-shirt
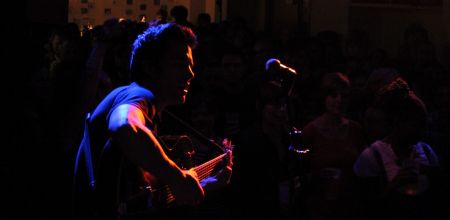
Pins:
x,y
116,178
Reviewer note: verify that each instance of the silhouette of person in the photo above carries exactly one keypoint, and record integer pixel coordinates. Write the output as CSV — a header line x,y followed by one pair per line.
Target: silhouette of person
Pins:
x,y
121,140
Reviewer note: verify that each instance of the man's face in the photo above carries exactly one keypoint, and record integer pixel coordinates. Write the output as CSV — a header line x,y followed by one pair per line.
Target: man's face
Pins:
x,y
176,67
336,102
410,128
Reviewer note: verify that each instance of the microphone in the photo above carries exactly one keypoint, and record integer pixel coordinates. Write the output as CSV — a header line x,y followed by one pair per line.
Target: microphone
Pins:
x,y
274,66
284,75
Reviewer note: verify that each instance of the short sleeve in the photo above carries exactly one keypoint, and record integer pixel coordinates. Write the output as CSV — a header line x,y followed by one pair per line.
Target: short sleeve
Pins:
x,y
426,152
366,164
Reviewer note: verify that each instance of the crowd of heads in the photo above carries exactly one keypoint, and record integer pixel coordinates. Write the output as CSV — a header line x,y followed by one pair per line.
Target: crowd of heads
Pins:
x,y
397,92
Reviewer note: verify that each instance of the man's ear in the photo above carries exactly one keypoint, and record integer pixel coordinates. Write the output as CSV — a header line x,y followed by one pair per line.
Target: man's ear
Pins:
x,y
151,71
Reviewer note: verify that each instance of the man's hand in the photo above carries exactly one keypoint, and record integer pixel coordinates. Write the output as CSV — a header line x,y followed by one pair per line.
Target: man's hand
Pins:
x,y
222,178
191,193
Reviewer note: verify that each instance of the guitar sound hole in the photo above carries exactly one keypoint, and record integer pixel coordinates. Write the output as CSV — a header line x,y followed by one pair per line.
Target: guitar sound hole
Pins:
x,y
180,149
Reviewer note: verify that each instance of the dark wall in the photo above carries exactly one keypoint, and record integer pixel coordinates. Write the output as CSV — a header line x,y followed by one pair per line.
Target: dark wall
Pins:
x,y
251,10
48,11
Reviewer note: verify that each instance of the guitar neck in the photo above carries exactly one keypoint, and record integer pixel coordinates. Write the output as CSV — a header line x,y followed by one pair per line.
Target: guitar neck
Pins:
x,y
166,197
204,170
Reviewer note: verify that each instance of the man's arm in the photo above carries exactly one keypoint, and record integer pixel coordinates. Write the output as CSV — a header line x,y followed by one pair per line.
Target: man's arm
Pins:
x,y
139,145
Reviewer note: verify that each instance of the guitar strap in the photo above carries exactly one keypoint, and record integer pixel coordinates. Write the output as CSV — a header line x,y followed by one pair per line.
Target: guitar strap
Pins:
x,y
194,131
85,149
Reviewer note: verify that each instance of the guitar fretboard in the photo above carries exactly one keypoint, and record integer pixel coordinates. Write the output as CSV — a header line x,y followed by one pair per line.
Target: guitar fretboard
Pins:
x,y
204,170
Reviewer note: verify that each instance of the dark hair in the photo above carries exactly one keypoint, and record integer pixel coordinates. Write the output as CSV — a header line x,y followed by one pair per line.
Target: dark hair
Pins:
x,y
179,12
333,82
204,18
150,46
163,13
398,102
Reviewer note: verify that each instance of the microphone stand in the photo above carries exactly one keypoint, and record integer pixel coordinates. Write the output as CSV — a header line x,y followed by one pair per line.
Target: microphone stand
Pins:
x,y
298,152
294,134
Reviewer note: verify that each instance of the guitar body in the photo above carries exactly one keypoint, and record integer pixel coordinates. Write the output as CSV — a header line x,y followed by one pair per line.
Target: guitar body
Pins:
x,y
157,196
180,149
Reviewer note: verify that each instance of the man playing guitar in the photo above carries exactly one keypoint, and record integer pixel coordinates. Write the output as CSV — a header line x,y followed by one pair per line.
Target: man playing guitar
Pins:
x,y
121,146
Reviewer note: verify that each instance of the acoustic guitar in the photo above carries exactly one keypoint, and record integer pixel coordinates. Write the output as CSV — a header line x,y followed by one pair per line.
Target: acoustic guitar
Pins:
x,y
158,195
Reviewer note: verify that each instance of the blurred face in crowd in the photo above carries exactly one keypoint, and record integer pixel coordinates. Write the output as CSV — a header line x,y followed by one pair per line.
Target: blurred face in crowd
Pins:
x,y
336,102
410,128
375,124
233,67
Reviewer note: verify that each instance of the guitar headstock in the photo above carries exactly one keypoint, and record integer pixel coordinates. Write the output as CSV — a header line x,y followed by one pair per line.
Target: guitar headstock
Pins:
x,y
228,149
227,145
